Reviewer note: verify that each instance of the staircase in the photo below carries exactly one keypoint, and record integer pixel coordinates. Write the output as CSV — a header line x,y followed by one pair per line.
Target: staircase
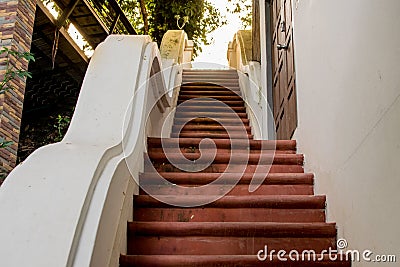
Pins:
x,y
282,214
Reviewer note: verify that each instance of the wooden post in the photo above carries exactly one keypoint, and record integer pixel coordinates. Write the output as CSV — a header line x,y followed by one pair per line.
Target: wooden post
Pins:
x,y
256,51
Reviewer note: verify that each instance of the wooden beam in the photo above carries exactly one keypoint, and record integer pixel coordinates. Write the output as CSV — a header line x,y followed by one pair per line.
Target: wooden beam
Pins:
x,y
114,24
66,13
123,18
94,14
60,53
62,31
256,51
78,75
96,35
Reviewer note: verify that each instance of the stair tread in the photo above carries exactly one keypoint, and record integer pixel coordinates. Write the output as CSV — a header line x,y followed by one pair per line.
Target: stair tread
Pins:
x,y
211,114
221,214
206,178
226,260
227,189
213,127
225,143
233,229
211,95
209,87
224,168
208,121
205,134
266,201
262,158
193,149
210,79
222,97
214,108
206,101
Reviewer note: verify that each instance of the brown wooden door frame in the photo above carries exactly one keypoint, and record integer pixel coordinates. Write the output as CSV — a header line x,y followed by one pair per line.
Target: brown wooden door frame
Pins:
x,y
283,79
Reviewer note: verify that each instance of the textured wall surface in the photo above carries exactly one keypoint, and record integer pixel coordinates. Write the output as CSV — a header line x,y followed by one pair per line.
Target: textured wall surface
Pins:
x,y
347,66
16,27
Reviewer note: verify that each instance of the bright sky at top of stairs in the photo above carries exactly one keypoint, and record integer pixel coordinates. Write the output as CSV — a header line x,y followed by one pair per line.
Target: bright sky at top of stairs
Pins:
x,y
214,55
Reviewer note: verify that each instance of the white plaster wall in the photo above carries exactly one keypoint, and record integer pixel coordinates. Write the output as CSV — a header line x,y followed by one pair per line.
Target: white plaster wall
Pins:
x,y
348,82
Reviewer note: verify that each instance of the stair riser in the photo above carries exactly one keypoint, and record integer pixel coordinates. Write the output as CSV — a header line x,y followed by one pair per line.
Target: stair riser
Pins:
x,y
190,245
219,151
229,215
212,81
211,94
254,144
206,71
215,89
226,261
261,158
234,202
213,98
219,133
211,108
211,74
209,114
209,121
212,124
238,190
206,178
219,168
200,102
211,134
203,73
218,128
232,133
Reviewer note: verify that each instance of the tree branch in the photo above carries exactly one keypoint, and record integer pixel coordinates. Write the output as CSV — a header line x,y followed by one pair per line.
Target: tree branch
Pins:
x,y
144,13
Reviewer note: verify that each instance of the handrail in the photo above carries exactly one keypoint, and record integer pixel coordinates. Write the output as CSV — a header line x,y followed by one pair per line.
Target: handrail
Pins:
x,y
68,203
168,45
240,49
238,54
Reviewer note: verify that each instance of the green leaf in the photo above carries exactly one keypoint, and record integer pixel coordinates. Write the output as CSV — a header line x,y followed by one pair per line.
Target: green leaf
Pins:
x,y
4,143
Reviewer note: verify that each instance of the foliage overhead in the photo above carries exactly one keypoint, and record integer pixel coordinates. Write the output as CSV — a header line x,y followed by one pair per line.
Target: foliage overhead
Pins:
x,y
243,8
161,17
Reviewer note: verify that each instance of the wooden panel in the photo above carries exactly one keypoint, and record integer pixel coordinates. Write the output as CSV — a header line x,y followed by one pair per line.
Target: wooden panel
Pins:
x,y
256,41
290,61
292,110
282,79
284,86
276,96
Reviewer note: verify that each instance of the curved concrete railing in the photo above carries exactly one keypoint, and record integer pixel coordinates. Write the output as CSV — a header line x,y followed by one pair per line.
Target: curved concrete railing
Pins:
x,y
68,203
239,57
240,49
